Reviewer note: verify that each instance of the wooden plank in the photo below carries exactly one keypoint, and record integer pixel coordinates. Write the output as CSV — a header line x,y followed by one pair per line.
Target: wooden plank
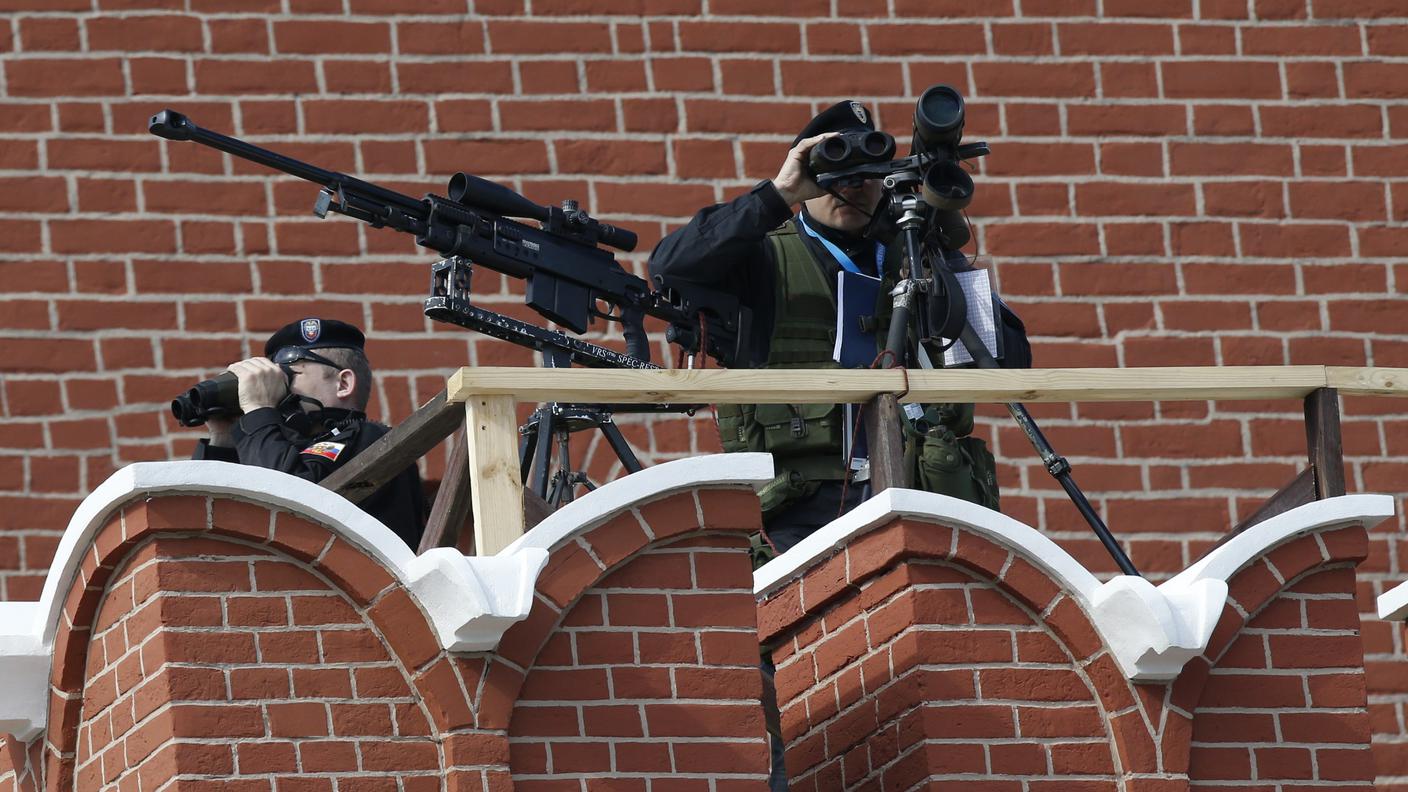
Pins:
x,y
402,446
859,385
1322,440
491,436
1300,491
885,442
1367,381
452,501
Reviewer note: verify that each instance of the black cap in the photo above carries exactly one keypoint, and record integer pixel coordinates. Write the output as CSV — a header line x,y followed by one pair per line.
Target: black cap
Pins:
x,y
315,333
847,116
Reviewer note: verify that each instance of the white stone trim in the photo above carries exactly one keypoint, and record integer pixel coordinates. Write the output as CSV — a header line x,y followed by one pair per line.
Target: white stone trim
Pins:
x,y
1393,604
1151,631
712,471
469,600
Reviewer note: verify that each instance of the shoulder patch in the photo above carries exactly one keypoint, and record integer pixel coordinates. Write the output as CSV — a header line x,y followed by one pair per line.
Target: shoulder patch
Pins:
x,y
328,451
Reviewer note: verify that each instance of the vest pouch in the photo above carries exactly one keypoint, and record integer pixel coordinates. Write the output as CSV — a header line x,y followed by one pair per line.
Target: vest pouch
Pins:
x,y
787,487
959,467
800,429
738,431
984,468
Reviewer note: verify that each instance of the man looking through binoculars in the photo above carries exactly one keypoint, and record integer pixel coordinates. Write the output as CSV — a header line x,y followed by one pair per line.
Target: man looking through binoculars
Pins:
x,y
302,411
785,266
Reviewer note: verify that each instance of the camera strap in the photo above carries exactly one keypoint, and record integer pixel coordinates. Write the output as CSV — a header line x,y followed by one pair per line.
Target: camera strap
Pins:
x,y
839,254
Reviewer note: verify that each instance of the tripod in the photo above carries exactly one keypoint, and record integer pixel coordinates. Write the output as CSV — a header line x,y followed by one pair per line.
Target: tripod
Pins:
x,y
554,423
921,291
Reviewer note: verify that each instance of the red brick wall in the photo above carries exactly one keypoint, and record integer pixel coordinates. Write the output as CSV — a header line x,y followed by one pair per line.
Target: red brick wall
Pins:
x,y
215,658
644,671
922,652
1191,182
211,640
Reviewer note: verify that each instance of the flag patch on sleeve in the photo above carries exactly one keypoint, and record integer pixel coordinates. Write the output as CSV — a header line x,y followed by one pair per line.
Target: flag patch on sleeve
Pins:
x,y
328,451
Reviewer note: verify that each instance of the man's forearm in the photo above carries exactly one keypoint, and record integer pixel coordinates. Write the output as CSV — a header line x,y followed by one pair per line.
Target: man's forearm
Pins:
x,y
721,237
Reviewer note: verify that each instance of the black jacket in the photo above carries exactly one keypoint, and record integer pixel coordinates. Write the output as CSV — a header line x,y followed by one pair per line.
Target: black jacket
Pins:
x,y
725,247
263,439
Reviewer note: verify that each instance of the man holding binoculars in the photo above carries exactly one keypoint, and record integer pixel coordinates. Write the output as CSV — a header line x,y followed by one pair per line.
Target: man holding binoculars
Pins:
x,y
301,411
785,266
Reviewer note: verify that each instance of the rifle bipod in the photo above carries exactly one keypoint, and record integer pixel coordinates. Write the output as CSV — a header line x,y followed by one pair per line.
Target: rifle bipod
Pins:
x,y
554,424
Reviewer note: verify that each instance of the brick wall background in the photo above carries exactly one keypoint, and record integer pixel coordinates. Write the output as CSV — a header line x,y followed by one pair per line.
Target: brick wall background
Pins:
x,y
1173,182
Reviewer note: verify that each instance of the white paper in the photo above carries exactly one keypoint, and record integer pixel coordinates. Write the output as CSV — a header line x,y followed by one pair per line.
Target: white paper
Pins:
x,y
978,289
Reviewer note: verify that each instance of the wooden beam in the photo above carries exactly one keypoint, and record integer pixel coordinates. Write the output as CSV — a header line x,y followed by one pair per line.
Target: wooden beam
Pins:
x,y
402,446
858,385
452,501
1322,440
497,496
1367,381
885,442
1298,492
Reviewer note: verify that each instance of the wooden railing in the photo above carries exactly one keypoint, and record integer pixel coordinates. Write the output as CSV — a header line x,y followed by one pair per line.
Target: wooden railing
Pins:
x,y
485,480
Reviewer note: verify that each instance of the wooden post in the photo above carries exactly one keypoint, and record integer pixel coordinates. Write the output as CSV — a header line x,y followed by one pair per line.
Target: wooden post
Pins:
x,y
1322,439
497,496
1325,476
885,442
452,501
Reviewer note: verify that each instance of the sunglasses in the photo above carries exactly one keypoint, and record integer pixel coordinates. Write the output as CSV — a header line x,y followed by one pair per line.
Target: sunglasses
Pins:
x,y
293,354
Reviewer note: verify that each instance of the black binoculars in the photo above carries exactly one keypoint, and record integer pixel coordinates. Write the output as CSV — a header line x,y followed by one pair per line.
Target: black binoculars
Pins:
x,y
849,149
213,398
218,397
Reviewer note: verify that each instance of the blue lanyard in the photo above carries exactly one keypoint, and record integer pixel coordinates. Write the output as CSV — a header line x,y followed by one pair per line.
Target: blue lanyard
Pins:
x,y
839,254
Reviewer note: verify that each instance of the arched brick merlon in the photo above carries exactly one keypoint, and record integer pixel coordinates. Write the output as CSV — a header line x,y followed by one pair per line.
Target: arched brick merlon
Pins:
x,y
470,601
1151,631
927,639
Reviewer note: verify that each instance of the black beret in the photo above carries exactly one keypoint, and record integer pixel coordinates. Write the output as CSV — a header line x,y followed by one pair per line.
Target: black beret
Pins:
x,y
315,333
846,116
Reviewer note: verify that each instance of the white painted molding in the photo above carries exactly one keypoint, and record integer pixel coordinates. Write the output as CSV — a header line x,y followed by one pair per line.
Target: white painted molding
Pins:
x,y
469,600
24,672
27,628
1393,604
712,471
1151,631
472,600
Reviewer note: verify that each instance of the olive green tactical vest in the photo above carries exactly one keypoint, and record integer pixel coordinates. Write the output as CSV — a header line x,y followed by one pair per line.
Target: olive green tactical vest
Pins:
x,y
805,439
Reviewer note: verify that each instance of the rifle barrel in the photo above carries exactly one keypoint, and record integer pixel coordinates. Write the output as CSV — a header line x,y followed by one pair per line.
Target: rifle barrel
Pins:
x,y
176,126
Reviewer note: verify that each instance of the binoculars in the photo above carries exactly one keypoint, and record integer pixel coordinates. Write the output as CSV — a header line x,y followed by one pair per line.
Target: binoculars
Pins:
x,y
936,149
213,398
217,397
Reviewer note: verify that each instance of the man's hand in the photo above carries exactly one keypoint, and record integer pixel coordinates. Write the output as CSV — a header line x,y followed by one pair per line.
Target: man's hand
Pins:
x,y
262,383
794,181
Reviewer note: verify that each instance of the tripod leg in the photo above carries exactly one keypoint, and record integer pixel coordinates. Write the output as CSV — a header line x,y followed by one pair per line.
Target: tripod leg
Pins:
x,y
563,479
618,443
1056,464
527,448
542,453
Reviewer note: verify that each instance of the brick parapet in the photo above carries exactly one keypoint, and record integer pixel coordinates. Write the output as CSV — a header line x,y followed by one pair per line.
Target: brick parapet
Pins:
x,y
926,651
206,638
